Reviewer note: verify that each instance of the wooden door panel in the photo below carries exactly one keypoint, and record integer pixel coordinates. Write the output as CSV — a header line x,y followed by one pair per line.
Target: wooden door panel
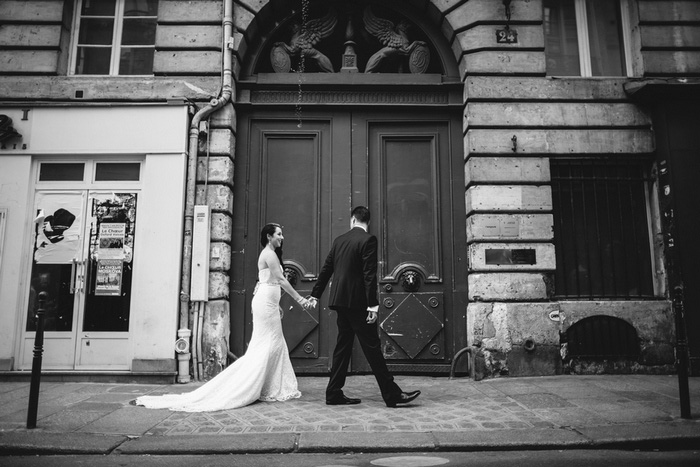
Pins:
x,y
405,155
290,193
409,203
293,176
410,172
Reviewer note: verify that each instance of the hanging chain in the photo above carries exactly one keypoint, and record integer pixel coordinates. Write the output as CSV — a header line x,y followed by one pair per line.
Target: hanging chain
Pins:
x,y
301,68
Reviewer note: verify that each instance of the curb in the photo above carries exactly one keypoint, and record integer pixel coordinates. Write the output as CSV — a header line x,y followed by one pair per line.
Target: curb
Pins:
x,y
670,435
42,443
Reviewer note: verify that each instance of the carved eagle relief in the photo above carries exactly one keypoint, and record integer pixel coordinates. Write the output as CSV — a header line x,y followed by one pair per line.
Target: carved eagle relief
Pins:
x,y
396,48
396,43
303,41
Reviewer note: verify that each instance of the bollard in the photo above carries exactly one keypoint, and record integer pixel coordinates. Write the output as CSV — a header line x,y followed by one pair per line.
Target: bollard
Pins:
x,y
36,363
681,352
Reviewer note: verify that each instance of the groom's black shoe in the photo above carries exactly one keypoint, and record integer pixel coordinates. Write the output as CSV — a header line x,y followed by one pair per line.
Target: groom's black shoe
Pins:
x,y
402,398
342,400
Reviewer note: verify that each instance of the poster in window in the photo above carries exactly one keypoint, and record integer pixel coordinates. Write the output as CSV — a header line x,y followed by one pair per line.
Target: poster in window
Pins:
x,y
59,227
113,222
108,280
111,240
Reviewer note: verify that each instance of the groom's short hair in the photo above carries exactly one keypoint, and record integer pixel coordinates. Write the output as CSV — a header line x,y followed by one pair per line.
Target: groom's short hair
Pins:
x,y
361,214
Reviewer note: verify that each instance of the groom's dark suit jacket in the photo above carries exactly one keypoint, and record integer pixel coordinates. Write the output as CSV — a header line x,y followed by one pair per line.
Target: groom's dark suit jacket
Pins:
x,y
352,261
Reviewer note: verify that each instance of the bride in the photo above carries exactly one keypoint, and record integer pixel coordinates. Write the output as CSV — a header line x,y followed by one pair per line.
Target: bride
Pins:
x,y
265,372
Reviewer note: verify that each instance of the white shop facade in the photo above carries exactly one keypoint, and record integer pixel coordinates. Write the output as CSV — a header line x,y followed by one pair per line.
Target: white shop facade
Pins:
x,y
91,206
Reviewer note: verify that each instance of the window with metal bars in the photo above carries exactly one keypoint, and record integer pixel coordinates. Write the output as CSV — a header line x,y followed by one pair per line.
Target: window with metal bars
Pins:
x,y
601,229
602,337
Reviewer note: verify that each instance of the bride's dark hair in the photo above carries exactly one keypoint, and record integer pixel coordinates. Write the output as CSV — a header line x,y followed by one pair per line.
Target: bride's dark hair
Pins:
x,y
270,229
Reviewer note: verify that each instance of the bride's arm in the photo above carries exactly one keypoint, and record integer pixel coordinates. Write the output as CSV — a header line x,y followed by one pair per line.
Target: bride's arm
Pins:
x,y
277,276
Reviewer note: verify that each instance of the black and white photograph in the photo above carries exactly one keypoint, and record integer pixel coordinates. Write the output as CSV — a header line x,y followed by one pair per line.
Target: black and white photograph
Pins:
x,y
349,233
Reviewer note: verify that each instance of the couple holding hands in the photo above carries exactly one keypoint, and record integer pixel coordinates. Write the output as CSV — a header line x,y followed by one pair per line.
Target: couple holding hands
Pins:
x,y
265,371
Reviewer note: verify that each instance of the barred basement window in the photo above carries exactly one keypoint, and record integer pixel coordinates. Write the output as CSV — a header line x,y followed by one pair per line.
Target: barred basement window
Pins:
x,y
602,337
115,37
601,229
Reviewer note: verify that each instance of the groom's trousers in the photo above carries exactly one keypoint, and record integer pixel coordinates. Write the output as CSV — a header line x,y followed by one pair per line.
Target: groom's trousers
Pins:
x,y
353,323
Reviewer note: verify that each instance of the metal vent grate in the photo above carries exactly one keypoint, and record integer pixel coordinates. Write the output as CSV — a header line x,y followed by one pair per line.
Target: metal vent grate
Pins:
x,y
602,337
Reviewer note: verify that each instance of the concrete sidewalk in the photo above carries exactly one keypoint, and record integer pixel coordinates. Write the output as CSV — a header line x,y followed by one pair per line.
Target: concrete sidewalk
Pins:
x,y
560,412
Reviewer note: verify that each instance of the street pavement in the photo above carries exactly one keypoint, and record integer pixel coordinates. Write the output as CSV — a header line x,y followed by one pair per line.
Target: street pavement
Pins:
x,y
557,412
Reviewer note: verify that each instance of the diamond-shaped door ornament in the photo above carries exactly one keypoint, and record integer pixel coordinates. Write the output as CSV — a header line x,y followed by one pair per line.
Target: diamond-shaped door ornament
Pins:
x,y
412,325
297,323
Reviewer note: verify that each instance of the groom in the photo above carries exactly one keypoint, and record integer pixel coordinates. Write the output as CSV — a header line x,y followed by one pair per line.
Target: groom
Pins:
x,y
352,262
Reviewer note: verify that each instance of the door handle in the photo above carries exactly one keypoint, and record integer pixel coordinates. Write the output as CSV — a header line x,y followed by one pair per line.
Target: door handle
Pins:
x,y
72,275
81,277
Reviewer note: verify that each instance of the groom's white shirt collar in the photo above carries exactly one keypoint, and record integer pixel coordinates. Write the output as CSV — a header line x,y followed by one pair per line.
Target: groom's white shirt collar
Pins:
x,y
360,226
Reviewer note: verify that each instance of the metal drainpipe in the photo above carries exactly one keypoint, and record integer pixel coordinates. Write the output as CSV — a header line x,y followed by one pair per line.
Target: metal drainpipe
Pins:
x,y
213,106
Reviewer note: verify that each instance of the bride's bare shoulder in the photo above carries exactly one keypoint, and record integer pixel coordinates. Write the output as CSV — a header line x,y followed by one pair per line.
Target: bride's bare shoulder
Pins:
x,y
267,258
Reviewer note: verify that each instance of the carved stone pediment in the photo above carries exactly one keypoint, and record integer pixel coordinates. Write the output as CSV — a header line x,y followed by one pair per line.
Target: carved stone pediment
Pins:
x,y
348,37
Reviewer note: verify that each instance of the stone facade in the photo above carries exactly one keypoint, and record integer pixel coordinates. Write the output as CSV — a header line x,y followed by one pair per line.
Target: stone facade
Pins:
x,y
516,120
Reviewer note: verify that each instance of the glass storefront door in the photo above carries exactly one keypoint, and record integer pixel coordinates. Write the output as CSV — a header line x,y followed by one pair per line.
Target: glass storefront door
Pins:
x,y
82,258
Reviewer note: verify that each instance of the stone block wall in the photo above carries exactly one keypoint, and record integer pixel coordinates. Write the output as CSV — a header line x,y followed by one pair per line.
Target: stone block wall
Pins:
x,y
215,166
516,119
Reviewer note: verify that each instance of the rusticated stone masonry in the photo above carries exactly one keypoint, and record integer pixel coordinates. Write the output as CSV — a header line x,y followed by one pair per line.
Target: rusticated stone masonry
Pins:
x,y
215,185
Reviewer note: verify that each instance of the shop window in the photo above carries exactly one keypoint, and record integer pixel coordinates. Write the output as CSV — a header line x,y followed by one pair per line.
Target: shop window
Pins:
x,y
601,229
117,171
61,172
586,37
115,37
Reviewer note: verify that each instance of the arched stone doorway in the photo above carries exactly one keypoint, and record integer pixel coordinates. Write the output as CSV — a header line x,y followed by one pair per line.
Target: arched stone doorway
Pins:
x,y
312,145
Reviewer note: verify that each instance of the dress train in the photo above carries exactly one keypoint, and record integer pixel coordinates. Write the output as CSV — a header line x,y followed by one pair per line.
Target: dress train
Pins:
x,y
264,373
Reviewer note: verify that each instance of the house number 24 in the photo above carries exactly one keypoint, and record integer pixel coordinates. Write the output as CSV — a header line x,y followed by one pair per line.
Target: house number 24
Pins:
x,y
506,36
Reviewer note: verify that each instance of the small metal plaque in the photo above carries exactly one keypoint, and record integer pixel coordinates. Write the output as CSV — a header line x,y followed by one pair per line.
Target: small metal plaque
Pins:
x,y
508,227
508,256
506,36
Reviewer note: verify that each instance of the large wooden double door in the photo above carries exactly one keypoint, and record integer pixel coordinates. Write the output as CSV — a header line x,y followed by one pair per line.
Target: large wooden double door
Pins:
x,y
407,168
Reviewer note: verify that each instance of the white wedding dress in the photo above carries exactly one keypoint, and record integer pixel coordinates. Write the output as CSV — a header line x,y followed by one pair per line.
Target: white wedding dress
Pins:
x,y
264,373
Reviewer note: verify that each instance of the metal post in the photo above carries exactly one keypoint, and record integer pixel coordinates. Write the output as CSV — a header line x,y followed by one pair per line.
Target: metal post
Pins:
x,y
36,363
676,282
681,352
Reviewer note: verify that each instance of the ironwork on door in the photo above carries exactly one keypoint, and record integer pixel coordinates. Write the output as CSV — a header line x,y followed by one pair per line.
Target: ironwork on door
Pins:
x,y
307,179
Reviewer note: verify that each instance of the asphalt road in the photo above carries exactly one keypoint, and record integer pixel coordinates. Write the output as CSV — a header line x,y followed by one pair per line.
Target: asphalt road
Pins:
x,y
566,458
